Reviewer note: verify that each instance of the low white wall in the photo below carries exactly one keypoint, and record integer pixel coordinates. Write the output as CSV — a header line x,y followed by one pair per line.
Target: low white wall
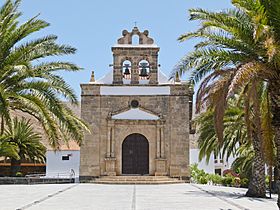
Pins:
x,y
56,167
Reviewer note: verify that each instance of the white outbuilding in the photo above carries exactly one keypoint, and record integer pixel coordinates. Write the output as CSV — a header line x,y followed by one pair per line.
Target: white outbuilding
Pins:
x,y
64,163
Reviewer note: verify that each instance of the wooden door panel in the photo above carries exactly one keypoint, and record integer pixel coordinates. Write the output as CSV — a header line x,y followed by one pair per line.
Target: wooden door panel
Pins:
x,y
135,155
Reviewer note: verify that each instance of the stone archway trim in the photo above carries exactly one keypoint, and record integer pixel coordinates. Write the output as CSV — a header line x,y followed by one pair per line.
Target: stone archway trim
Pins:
x,y
157,145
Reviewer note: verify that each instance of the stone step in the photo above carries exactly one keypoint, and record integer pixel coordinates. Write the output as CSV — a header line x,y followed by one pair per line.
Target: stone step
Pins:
x,y
137,180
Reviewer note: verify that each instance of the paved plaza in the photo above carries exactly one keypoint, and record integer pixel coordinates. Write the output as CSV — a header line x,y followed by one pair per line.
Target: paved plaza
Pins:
x,y
134,197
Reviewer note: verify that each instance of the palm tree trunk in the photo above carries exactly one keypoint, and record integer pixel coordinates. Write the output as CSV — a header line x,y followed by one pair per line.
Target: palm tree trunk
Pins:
x,y
15,166
2,125
277,167
276,126
275,109
257,186
257,181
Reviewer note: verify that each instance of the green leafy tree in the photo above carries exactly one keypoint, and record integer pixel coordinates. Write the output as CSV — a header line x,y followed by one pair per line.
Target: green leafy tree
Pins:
x,y
30,84
27,142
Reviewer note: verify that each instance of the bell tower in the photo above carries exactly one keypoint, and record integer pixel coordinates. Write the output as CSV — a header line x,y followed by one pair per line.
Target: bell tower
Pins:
x,y
135,59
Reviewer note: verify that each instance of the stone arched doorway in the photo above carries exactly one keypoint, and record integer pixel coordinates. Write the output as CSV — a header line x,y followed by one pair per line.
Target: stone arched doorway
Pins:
x,y
135,155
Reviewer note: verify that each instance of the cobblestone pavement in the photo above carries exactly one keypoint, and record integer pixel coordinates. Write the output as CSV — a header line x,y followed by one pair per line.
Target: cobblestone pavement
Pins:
x,y
134,197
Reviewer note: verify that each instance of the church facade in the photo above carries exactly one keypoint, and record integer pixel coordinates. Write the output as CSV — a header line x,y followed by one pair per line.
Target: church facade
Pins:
x,y
139,120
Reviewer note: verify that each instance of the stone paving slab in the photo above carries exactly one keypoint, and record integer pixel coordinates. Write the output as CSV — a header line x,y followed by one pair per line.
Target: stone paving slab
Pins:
x,y
15,196
134,197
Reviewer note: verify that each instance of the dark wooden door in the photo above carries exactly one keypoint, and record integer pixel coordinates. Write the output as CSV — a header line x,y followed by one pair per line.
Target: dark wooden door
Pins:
x,y
135,155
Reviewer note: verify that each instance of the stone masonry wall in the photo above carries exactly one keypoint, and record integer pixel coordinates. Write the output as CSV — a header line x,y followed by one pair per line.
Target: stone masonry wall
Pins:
x,y
174,109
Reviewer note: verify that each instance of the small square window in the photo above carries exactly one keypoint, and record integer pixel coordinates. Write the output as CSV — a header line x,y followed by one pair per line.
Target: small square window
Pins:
x,y
65,157
218,171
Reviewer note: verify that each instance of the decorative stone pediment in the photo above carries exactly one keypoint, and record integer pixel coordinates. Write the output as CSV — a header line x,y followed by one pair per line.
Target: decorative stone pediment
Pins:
x,y
135,114
143,37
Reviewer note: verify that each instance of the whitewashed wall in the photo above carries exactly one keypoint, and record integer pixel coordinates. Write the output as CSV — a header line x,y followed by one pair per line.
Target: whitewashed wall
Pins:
x,y
208,168
56,167
211,166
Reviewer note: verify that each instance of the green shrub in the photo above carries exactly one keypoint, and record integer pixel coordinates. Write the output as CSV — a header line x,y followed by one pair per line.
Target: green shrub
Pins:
x,y
215,178
244,182
228,180
203,180
235,182
198,175
19,174
267,181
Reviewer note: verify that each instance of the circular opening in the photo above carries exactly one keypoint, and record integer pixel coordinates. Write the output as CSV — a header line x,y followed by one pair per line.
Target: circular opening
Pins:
x,y
134,103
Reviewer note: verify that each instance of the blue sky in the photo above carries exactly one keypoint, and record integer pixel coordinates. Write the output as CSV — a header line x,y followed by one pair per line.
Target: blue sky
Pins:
x,y
93,26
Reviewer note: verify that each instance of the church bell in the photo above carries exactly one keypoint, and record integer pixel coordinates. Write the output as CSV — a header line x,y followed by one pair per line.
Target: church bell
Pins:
x,y
143,72
126,71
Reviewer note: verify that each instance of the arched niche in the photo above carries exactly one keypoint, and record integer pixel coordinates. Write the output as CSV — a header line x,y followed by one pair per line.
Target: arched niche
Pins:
x,y
135,39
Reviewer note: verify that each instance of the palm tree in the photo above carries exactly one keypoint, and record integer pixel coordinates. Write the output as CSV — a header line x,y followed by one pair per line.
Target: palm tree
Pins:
x,y
213,93
27,142
8,150
234,133
230,54
244,161
235,137
30,84
265,15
